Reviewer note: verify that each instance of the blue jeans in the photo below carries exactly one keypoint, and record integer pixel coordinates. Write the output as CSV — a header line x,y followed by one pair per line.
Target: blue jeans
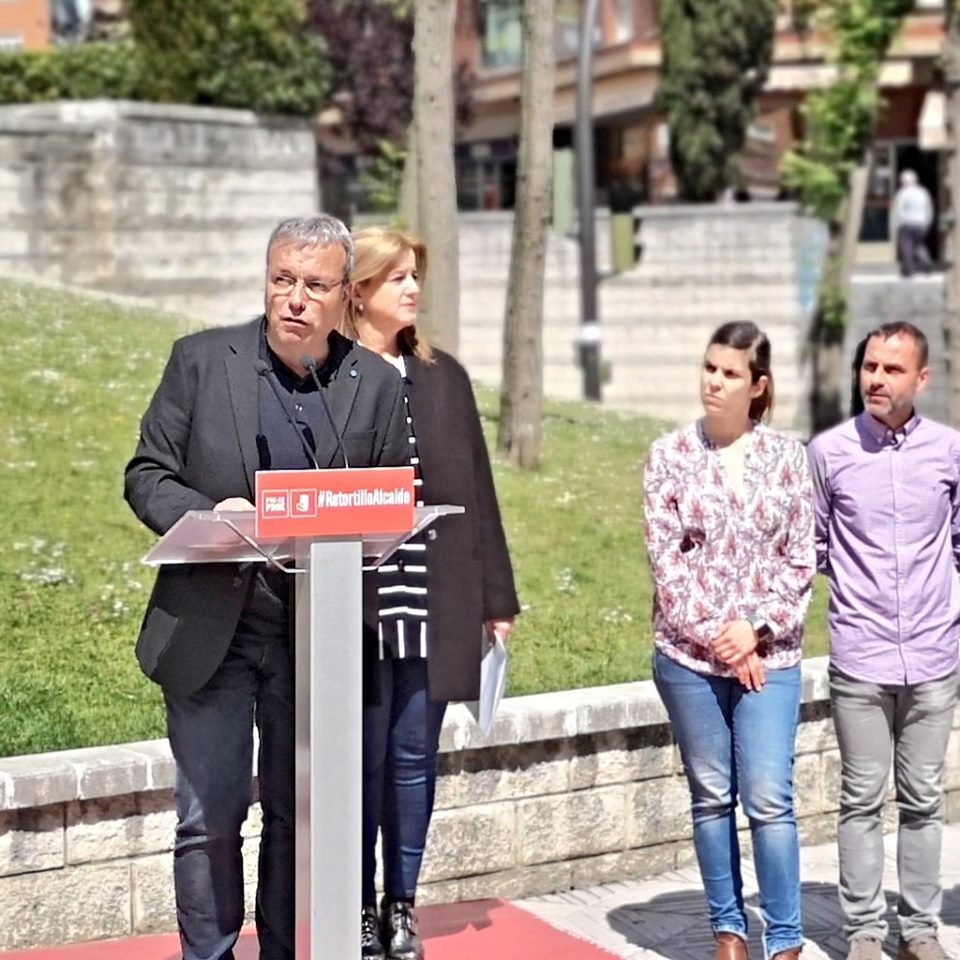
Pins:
x,y
211,736
738,742
401,735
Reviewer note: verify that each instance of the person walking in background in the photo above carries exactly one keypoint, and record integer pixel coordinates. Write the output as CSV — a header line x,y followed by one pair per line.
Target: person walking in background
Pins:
x,y
428,610
887,495
729,529
217,637
912,215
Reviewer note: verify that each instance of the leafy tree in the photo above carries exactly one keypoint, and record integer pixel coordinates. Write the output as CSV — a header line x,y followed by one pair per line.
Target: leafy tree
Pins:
x,y
370,44
716,57
829,173
234,53
370,50
380,180
82,71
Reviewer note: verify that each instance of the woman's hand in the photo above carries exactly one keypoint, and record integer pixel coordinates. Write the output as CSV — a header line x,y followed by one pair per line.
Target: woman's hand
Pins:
x,y
500,628
736,639
749,671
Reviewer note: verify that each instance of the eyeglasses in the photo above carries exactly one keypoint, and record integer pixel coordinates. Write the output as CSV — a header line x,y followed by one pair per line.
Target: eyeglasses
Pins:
x,y
312,289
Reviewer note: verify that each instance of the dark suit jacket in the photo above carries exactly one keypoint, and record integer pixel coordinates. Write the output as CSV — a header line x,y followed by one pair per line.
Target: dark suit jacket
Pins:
x,y
198,446
469,575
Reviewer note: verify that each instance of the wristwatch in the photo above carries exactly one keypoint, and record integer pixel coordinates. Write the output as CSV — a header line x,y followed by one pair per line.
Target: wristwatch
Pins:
x,y
760,626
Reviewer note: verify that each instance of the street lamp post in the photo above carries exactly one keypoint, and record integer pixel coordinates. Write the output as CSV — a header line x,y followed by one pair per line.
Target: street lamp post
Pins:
x,y
583,144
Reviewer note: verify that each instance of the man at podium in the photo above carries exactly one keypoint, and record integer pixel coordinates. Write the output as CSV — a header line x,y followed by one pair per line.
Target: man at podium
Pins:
x,y
284,391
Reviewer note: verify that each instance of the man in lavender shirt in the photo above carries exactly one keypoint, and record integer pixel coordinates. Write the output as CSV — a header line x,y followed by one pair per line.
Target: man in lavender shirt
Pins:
x,y
887,510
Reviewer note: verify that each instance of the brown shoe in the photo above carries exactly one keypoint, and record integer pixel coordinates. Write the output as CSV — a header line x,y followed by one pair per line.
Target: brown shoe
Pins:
x,y
792,954
730,946
926,947
865,948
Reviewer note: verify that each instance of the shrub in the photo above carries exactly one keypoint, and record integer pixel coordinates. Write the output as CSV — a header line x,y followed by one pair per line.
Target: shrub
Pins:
x,y
255,54
235,53
82,72
716,56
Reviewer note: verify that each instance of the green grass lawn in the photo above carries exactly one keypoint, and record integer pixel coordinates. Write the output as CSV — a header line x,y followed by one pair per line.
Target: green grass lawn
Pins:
x,y
77,375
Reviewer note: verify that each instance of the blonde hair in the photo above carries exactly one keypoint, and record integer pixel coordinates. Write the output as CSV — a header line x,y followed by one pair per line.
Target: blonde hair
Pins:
x,y
376,250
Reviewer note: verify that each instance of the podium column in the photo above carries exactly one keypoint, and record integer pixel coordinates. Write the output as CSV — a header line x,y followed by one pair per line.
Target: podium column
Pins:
x,y
329,713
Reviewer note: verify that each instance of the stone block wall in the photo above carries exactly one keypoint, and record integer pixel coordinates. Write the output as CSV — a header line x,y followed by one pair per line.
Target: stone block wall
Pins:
x,y
169,203
569,790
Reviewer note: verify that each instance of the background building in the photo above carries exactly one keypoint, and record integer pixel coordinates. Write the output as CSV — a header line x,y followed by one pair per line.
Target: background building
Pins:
x,y
631,137
24,25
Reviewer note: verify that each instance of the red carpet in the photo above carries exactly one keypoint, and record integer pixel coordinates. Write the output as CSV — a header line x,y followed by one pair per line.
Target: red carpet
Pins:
x,y
478,930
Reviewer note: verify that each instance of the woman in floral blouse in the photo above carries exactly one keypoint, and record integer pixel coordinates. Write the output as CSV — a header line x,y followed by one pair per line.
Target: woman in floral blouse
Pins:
x,y
729,524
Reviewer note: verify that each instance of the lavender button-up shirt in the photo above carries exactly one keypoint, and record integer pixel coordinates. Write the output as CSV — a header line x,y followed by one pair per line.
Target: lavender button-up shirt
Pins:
x,y
887,521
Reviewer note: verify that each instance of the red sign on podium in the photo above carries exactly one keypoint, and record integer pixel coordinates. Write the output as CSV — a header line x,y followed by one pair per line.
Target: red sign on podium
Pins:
x,y
309,503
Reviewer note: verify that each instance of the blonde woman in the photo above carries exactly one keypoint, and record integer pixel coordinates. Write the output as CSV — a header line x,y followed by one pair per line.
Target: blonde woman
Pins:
x,y
426,608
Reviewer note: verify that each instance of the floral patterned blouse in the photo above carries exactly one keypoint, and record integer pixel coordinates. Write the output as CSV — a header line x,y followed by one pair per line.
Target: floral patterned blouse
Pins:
x,y
716,557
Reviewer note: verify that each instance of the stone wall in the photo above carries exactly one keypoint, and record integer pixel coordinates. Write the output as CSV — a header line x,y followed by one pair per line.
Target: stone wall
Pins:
x,y
169,203
570,789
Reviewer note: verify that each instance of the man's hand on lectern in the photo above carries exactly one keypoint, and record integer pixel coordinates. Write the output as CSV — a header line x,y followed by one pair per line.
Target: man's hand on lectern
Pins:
x,y
234,503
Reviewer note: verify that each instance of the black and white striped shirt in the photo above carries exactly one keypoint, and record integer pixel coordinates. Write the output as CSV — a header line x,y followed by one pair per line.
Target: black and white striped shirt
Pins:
x,y
402,579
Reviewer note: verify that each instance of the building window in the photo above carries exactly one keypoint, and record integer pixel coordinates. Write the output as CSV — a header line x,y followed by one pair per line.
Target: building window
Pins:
x,y
11,42
500,32
623,21
486,175
566,31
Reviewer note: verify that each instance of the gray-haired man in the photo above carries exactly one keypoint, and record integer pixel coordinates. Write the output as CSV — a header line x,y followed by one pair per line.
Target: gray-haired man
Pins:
x,y
216,637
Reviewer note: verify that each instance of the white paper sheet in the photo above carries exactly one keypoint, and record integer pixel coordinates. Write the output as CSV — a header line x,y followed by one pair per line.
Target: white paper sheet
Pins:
x,y
493,682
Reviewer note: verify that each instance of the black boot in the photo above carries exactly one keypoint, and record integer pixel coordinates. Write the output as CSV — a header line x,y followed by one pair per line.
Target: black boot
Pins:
x,y
400,935
371,946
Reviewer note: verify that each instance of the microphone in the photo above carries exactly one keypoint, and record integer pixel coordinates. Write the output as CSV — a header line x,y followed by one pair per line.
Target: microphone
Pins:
x,y
263,369
310,365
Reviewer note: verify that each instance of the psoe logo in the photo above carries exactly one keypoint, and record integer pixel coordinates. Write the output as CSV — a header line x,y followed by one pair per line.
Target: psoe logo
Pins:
x,y
304,503
276,504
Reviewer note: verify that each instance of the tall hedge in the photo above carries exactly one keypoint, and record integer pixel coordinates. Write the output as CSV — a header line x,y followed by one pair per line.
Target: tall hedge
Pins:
x,y
81,72
254,54
716,57
234,53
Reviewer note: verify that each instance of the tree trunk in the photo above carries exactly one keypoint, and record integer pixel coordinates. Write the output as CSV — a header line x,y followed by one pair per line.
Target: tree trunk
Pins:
x,y
409,212
521,391
951,313
853,219
831,378
436,185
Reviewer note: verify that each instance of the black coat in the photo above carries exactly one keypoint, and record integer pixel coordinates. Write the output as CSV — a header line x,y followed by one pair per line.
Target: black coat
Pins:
x,y
198,446
469,575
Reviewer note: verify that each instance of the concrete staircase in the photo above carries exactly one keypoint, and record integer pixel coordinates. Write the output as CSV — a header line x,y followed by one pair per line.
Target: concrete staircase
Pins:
x,y
701,267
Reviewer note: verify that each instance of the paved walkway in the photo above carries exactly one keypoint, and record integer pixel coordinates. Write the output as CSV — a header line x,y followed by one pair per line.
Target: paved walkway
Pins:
x,y
664,916
660,917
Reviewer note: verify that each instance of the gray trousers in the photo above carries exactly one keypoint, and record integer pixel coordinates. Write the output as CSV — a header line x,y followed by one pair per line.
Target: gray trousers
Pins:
x,y
917,719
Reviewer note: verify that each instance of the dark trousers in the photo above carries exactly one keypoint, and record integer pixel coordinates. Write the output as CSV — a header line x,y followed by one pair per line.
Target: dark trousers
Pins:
x,y
912,253
401,735
211,735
